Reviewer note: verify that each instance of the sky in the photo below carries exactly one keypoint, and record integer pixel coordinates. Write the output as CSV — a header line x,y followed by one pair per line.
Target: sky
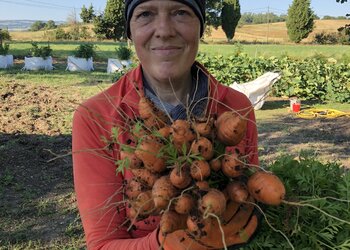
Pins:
x,y
60,10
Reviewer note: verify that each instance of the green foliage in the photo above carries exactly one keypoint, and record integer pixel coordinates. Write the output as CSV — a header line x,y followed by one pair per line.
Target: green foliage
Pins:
x,y
37,25
85,50
87,15
75,33
100,27
308,181
4,49
326,38
42,51
213,8
123,52
119,74
258,18
4,35
50,25
111,24
344,34
309,79
230,15
300,22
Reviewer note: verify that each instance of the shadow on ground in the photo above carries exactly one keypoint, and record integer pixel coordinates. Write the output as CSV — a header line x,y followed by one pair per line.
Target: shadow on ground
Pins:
x,y
36,188
329,139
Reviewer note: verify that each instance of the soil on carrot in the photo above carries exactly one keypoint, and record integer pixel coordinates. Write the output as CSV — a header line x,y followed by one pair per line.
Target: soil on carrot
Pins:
x,y
37,201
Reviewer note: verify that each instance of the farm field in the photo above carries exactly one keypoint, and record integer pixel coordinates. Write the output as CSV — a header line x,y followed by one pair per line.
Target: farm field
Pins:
x,y
273,33
37,201
105,50
37,209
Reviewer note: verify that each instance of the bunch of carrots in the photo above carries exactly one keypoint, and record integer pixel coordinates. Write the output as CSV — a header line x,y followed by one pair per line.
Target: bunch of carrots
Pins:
x,y
181,174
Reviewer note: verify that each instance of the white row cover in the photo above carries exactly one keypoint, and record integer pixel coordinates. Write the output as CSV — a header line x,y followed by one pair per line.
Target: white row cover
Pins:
x,y
6,61
73,63
79,64
257,90
115,65
37,63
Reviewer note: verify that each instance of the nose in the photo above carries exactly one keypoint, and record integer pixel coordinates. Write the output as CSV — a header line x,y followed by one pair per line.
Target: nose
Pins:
x,y
165,26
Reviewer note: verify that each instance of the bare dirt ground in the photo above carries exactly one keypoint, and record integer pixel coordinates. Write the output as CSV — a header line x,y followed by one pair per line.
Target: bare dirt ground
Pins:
x,y
37,201
327,139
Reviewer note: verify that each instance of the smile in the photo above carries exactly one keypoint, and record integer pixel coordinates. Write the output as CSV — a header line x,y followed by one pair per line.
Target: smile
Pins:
x,y
167,51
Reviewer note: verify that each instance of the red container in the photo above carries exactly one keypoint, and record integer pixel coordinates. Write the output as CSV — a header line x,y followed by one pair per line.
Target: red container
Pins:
x,y
296,107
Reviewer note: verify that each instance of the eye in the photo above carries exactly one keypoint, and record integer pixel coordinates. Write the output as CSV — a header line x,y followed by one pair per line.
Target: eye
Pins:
x,y
181,12
144,14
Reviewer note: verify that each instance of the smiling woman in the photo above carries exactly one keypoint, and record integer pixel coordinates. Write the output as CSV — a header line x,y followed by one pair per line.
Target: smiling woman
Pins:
x,y
119,211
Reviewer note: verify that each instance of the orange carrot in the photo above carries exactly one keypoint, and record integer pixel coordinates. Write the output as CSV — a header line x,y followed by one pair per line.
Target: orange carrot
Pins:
x,y
266,188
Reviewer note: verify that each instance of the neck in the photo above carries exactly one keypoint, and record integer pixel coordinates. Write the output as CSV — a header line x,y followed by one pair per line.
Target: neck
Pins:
x,y
172,91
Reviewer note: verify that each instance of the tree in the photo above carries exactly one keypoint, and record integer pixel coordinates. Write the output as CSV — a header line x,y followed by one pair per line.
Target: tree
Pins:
x,y
4,34
300,21
37,25
72,18
84,15
87,15
230,15
114,18
91,13
111,23
50,25
100,27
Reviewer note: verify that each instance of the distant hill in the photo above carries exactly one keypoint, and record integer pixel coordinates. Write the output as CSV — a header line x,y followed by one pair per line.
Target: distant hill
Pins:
x,y
275,32
20,25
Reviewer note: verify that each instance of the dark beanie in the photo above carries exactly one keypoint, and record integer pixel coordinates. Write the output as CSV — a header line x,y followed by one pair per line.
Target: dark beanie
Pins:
x,y
198,6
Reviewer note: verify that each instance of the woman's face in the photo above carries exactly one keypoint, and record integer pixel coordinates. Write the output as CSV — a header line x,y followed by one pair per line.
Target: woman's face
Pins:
x,y
166,36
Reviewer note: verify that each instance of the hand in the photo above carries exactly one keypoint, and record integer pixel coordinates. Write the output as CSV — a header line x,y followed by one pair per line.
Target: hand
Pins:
x,y
238,226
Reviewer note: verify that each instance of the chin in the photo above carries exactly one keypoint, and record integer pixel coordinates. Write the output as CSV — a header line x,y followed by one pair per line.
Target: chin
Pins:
x,y
166,73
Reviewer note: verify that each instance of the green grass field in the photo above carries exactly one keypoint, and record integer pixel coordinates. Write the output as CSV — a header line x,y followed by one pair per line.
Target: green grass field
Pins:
x,y
106,50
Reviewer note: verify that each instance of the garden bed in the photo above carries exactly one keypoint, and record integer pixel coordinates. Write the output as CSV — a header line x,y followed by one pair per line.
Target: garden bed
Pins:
x,y
37,202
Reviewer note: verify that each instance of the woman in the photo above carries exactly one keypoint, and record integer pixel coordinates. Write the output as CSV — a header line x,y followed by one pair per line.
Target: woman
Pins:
x,y
166,36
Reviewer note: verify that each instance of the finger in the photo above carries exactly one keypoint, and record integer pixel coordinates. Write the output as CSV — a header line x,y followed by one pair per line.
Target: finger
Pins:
x,y
244,235
180,240
239,220
231,208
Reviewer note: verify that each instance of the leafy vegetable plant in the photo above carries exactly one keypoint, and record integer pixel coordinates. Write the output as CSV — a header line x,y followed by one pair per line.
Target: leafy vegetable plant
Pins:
x,y
86,50
42,51
123,52
4,49
323,193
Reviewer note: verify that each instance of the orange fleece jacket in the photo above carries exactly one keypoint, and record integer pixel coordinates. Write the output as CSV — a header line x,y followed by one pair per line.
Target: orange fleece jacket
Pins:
x,y
99,189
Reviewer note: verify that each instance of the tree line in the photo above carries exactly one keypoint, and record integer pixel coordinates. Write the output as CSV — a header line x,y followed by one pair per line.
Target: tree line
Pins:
x,y
110,24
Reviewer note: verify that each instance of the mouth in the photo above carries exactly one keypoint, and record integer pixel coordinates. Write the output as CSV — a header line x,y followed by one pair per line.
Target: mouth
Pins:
x,y
166,50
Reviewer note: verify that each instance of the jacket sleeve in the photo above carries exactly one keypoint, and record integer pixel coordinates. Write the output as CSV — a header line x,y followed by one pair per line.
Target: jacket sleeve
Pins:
x,y
99,190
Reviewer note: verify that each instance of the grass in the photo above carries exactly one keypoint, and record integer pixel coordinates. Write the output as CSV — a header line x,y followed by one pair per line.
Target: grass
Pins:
x,y
339,52
105,50
273,109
